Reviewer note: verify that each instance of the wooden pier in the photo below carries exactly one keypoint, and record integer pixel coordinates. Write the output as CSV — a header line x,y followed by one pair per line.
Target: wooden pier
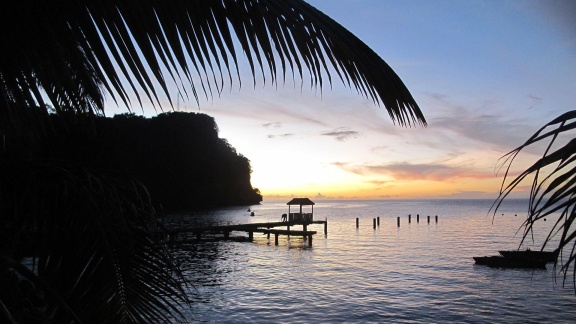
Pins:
x,y
186,234
288,220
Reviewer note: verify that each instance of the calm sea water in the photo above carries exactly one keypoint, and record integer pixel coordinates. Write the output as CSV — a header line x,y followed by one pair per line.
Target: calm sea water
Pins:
x,y
417,272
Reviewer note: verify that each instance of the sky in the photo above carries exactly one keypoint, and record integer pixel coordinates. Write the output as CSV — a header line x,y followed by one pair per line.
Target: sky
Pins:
x,y
486,74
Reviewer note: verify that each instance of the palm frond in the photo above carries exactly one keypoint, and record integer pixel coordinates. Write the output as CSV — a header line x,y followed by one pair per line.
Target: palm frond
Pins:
x,y
553,190
68,50
96,243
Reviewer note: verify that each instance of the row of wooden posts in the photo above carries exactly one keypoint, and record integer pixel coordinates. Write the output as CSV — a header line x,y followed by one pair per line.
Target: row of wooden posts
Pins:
x,y
376,221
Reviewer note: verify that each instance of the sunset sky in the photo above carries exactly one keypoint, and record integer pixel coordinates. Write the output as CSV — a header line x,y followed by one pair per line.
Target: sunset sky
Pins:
x,y
486,74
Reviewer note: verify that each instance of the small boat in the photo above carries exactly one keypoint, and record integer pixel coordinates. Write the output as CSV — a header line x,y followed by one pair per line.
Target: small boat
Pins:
x,y
548,256
498,261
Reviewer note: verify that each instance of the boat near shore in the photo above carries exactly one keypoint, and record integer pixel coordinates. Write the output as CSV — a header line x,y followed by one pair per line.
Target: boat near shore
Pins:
x,y
527,259
498,261
548,256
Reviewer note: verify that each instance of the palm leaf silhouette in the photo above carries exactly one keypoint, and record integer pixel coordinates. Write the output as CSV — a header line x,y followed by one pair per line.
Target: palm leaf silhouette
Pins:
x,y
71,50
553,189
93,241
92,236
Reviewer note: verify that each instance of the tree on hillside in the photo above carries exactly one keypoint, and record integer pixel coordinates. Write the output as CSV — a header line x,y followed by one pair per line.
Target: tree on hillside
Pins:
x,y
91,237
553,189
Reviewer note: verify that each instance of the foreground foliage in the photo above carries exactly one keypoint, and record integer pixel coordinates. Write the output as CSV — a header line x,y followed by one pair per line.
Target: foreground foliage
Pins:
x,y
553,189
92,242
91,236
69,50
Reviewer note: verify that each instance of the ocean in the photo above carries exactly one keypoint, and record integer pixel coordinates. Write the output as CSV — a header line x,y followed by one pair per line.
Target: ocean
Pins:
x,y
418,272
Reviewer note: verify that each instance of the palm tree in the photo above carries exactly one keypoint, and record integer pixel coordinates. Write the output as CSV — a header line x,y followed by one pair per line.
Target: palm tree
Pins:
x,y
553,190
93,237
65,53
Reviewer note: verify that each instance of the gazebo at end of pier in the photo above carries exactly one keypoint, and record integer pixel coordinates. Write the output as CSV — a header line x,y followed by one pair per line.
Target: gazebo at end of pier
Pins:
x,y
301,217
185,234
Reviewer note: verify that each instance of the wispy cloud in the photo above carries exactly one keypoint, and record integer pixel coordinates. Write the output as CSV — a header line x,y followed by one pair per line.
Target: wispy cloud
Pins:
x,y
342,134
411,172
534,97
535,101
272,125
382,184
481,121
281,135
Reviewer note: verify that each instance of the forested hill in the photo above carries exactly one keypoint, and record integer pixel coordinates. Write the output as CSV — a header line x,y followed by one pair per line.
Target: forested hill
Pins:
x,y
178,156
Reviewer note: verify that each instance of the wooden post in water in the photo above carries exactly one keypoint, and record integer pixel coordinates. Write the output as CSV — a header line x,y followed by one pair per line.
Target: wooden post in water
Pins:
x,y
326,226
378,221
374,222
409,218
250,236
417,218
357,222
428,219
226,234
436,218
310,240
276,238
398,221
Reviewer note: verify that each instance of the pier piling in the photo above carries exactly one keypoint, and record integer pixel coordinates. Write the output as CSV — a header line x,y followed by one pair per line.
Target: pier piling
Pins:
x,y
417,218
183,234
409,218
357,222
436,218
398,221
374,222
428,219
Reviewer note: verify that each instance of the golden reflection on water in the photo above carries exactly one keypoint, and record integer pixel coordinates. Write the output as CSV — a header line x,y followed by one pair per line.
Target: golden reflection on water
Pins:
x,y
416,272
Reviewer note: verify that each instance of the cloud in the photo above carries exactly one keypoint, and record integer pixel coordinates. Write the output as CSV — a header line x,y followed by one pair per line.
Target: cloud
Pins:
x,y
342,134
477,122
281,135
321,196
436,96
534,97
380,182
470,195
272,125
412,172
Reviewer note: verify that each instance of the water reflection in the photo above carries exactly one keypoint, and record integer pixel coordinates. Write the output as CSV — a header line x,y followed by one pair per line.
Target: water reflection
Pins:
x,y
416,272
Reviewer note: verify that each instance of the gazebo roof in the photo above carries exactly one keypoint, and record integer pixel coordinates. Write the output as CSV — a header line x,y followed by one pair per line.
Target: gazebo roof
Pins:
x,y
300,201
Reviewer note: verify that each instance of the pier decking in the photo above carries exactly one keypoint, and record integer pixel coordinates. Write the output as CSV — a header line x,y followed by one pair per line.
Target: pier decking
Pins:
x,y
183,234
288,220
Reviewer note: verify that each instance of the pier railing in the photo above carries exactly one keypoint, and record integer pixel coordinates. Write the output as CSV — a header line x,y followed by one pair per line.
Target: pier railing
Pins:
x,y
300,217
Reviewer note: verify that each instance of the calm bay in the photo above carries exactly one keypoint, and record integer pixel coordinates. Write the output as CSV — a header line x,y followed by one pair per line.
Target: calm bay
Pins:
x,y
418,272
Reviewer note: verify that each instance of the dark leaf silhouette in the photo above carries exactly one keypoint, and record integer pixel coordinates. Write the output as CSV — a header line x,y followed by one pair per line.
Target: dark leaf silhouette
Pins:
x,y
553,190
70,50
92,237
